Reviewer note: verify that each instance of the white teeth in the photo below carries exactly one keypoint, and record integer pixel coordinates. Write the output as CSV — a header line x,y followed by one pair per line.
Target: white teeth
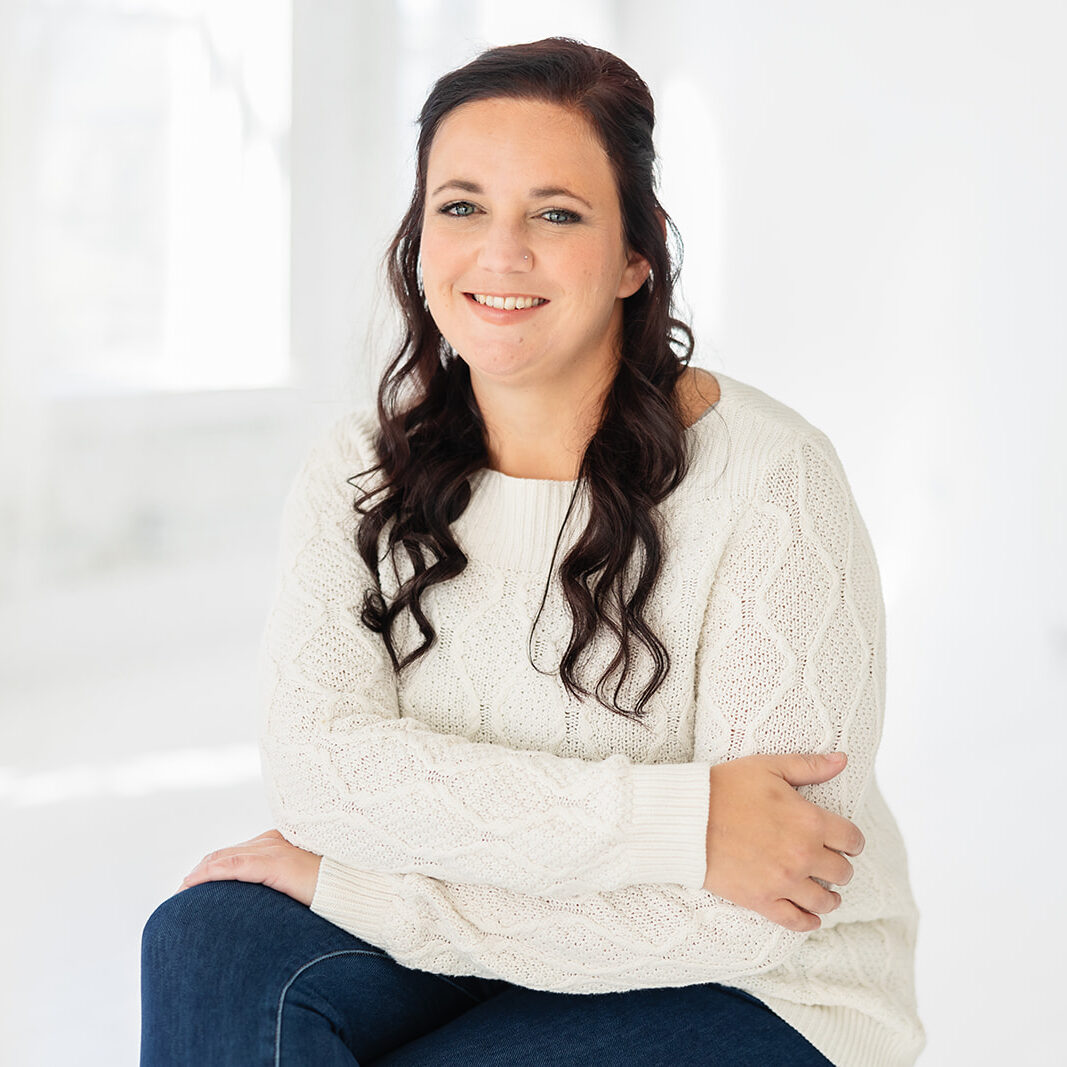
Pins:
x,y
508,303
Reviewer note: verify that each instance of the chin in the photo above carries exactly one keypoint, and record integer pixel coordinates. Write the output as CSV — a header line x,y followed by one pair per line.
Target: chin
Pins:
x,y
504,366
496,358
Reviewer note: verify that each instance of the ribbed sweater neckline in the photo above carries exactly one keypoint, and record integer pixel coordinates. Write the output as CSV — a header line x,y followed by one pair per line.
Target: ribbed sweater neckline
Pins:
x,y
514,522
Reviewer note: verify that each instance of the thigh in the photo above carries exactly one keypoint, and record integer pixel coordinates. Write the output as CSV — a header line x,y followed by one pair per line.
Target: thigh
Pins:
x,y
707,1025
236,973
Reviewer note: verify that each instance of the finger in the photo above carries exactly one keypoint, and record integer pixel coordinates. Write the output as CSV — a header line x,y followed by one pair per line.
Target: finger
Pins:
x,y
832,867
220,852
232,867
220,855
810,896
786,913
808,768
267,835
244,847
842,835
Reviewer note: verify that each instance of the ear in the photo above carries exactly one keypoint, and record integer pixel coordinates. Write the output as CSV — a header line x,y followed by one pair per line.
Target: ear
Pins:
x,y
633,277
638,268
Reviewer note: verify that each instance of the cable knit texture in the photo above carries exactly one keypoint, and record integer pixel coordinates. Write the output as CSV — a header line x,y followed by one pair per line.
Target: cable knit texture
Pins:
x,y
476,819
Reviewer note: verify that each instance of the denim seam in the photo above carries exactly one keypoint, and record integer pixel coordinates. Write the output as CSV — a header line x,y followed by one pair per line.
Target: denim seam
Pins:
x,y
295,976
330,956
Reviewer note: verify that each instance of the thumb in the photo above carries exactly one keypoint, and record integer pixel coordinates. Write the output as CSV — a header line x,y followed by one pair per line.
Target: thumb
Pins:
x,y
810,768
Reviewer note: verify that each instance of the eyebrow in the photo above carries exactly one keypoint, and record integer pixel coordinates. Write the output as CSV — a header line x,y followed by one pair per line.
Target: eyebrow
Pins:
x,y
540,193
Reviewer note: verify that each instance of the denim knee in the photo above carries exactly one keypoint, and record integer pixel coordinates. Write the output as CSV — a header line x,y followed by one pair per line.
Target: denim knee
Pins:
x,y
181,917
193,925
212,962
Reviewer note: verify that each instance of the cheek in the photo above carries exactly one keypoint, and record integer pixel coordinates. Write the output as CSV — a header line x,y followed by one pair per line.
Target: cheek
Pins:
x,y
440,254
602,271
598,284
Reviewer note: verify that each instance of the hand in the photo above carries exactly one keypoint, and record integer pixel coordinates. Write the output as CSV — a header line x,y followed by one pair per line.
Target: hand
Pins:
x,y
268,859
767,844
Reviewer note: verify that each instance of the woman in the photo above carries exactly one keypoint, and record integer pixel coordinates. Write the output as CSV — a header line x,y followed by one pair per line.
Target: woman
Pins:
x,y
541,811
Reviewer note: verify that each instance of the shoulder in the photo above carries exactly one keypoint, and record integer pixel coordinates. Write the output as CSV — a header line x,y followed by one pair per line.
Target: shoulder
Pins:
x,y
348,439
785,477
755,438
330,471
759,420
342,453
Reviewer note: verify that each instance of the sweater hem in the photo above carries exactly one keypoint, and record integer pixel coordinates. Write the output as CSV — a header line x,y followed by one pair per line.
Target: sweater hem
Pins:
x,y
846,1037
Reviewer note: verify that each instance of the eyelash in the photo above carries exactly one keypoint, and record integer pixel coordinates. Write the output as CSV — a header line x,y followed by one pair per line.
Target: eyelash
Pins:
x,y
570,216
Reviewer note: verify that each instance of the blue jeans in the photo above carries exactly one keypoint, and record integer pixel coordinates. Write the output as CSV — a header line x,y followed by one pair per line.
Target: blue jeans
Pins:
x,y
235,973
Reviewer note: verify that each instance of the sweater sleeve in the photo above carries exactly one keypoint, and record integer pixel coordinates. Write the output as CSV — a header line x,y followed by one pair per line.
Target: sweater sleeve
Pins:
x,y
791,659
348,777
638,937
792,649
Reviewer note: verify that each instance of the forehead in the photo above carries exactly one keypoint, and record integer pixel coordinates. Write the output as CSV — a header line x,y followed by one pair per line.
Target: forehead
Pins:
x,y
521,140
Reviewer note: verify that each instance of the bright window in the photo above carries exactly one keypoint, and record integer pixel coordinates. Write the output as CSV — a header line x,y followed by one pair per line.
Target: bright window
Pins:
x,y
154,176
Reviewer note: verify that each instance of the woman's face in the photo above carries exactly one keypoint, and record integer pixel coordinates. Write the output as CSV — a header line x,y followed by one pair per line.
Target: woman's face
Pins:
x,y
520,204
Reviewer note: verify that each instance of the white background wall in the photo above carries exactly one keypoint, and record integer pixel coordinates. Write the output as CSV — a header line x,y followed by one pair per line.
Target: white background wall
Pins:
x,y
877,237
871,199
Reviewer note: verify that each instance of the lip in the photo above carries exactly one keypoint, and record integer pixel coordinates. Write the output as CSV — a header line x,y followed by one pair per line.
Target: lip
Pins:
x,y
499,315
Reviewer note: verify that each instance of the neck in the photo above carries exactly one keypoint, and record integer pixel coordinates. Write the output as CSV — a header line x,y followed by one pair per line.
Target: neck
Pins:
x,y
534,433
541,431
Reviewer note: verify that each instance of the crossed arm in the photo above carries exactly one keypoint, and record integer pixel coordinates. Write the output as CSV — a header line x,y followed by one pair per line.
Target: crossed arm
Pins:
x,y
768,853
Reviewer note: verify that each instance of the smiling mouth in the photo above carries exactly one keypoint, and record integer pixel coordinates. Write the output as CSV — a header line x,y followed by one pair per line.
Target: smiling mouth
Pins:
x,y
507,303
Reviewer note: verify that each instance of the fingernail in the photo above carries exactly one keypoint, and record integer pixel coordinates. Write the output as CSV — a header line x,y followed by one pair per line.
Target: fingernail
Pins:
x,y
837,757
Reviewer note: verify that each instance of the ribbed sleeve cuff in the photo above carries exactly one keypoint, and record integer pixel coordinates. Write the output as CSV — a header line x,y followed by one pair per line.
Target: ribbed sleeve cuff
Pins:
x,y
670,823
357,901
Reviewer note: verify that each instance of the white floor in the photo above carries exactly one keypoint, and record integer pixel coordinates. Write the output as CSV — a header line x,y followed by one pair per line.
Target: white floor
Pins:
x,y
112,786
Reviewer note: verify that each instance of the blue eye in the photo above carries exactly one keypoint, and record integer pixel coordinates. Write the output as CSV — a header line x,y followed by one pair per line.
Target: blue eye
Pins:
x,y
562,215
460,209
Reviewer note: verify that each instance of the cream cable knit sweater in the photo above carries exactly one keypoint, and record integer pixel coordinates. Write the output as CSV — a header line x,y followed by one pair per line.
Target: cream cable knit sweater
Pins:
x,y
476,819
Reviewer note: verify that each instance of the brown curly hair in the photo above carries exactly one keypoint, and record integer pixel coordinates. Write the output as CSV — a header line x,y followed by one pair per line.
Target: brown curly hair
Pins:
x,y
431,436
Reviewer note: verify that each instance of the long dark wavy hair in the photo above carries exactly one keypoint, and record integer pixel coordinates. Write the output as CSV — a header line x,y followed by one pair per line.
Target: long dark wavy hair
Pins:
x,y
431,436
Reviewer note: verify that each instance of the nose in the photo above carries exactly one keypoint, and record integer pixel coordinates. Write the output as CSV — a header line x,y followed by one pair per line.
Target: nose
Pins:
x,y
504,249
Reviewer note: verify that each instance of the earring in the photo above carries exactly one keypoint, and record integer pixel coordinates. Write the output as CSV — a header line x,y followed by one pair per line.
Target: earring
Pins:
x,y
418,278
447,354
